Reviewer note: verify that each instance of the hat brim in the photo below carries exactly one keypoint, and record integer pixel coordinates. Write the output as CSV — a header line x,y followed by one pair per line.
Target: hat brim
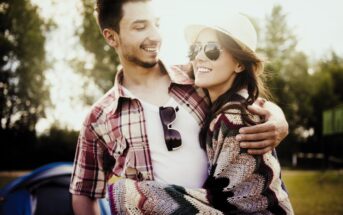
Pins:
x,y
191,33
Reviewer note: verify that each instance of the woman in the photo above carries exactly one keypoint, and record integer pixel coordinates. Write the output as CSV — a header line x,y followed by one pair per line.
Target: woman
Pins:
x,y
226,65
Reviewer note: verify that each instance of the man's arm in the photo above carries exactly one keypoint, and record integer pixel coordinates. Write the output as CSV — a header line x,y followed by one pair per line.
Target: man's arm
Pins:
x,y
264,137
88,183
83,205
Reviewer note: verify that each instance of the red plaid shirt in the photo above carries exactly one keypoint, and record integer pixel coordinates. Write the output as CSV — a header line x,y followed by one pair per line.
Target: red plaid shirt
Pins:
x,y
116,128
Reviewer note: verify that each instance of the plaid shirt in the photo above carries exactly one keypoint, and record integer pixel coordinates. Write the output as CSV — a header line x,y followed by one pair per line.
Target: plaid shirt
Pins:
x,y
115,128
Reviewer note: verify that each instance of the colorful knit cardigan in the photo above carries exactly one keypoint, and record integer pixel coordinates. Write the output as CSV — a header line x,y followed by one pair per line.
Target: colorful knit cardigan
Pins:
x,y
238,183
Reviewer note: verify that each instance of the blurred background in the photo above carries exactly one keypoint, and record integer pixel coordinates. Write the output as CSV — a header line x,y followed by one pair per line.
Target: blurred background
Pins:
x,y
54,64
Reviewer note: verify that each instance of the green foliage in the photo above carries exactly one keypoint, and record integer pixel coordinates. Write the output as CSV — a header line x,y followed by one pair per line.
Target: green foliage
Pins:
x,y
23,95
328,91
23,150
105,58
280,42
57,145
302,95
288,78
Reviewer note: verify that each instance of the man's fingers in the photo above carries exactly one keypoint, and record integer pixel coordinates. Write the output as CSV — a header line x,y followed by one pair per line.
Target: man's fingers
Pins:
x,y
259,151
267,126
260,101
257,145
257,136
262,112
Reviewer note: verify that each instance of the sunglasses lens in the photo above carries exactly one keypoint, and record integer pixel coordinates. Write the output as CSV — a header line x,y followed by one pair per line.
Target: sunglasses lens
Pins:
x,y
191,54
194,50
173,139
212,51
167,115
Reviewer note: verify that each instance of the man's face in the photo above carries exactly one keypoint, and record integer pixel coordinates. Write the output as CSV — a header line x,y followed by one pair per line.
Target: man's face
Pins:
x,y
139,37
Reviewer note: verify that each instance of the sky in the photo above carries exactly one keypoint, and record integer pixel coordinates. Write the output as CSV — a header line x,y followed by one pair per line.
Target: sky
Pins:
x,y
315,23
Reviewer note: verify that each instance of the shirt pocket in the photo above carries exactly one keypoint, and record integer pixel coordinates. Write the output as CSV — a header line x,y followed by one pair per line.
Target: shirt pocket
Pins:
x,y
114,141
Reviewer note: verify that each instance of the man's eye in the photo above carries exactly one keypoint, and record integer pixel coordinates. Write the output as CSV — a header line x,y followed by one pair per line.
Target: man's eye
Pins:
x,y
139,27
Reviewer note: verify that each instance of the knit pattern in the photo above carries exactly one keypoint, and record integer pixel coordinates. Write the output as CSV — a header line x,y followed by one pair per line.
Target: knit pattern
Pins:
x,y
127,196
238,183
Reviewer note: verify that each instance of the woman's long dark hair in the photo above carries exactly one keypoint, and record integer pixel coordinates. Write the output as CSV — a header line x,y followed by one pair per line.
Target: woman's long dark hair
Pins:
x,y
249,79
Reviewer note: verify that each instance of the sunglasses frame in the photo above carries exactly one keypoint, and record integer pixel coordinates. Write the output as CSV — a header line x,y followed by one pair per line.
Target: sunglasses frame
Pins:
x,y
202,47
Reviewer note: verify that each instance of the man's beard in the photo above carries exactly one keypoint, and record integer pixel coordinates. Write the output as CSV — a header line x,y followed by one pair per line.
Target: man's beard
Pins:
x,y
139,62
131,57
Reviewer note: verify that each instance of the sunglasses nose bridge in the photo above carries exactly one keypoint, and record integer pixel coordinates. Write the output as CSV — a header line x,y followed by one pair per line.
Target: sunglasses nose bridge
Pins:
x,y
200,55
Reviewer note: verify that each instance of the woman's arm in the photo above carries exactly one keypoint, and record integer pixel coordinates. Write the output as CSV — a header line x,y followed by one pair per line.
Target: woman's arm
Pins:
x,y
240,182
127,196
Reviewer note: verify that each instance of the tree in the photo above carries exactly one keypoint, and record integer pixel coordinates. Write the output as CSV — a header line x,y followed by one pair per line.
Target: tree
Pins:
x,y
23,94
288,77
105,62
328,91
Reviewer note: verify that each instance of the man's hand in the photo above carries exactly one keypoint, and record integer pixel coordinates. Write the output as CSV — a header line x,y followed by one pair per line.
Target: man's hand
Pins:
x,y
264,137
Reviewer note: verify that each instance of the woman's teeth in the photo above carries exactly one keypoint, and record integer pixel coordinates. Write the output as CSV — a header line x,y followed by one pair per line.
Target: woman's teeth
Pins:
x,y
204,69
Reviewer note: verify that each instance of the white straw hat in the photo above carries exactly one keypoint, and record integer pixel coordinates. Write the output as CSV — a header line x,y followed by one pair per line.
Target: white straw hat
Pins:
x,y
232,24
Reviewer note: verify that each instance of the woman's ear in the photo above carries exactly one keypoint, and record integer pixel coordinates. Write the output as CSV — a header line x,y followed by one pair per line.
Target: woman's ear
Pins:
x,y
111,37
239,68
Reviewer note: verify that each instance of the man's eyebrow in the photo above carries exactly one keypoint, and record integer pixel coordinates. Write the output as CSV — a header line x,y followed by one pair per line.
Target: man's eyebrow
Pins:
x,y
143,21
140,21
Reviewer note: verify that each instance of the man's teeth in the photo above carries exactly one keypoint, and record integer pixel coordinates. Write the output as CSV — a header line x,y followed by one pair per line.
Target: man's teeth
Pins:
x,y
203,69
150,49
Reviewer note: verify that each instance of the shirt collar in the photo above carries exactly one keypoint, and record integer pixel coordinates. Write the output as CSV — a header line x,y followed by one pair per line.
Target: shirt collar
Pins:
x,y
176,73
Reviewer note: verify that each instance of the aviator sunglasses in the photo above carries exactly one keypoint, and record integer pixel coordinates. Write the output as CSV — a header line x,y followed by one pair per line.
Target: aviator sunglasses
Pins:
x,y
211,49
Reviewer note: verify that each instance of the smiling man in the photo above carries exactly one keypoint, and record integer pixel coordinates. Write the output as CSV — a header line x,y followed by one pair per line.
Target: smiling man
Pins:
x,y
148,124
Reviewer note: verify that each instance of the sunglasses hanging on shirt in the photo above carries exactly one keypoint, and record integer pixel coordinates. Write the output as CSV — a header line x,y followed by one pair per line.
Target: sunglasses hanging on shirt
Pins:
x,y
171,136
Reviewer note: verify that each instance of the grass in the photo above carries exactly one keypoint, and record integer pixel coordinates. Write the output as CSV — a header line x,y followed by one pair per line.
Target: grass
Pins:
x,y
315,192
311,192
6,177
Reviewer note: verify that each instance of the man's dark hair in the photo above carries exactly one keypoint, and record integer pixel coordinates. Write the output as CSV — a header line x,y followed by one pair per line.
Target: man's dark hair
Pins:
x,y
110,12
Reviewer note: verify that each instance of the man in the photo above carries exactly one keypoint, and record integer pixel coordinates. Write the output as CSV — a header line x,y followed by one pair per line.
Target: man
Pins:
x,y
148,123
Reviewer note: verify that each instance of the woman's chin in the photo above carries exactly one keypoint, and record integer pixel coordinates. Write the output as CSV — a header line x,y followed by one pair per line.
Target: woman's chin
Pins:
x,y
202,81
199,83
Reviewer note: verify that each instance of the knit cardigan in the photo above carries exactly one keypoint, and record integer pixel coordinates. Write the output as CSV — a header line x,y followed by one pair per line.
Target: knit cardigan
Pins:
x,y
238,183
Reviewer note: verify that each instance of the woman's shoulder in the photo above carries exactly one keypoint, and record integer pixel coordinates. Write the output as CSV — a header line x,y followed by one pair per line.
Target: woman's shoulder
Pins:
x,y
235,114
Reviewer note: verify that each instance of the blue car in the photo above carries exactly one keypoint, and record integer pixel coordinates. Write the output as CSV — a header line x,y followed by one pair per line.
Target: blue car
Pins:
x,y
44,191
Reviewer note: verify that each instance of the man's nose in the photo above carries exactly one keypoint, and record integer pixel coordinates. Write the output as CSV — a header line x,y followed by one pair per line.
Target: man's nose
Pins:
x,y
155,34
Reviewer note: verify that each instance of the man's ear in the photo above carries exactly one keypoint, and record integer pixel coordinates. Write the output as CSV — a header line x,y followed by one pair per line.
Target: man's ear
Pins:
x,y
111,37
239,68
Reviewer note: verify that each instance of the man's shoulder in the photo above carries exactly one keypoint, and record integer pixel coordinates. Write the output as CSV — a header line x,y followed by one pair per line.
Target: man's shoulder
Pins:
x,y
103,107
107,99
181,74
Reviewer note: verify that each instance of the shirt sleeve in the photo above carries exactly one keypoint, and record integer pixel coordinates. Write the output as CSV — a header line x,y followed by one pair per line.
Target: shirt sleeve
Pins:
x,y
89,177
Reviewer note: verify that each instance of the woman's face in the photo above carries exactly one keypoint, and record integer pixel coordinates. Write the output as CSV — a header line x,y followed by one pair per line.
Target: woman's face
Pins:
x,y
217,75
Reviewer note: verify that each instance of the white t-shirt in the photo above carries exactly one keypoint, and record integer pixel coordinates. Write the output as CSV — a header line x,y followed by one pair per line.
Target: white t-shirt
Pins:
x,y
185,166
